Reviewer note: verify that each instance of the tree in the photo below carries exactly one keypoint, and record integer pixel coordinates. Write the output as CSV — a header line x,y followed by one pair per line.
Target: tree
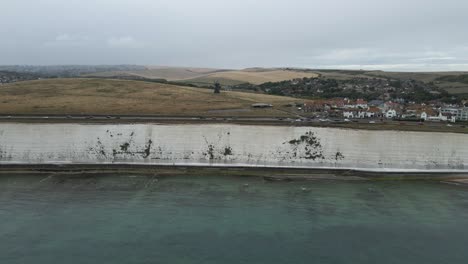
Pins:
x,y
217,87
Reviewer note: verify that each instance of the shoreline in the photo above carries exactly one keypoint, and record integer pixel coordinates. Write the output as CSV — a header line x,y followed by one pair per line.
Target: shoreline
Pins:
x,y
267,173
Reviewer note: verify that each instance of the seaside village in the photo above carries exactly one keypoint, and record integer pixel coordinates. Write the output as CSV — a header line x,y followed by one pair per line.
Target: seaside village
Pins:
x,y
347,109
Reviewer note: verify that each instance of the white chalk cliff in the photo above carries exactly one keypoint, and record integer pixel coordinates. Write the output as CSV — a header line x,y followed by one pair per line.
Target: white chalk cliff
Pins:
x,y
233,145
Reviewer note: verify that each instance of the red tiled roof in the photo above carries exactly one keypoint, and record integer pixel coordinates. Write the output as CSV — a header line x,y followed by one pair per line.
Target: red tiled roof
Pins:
x,y
374,110
361,101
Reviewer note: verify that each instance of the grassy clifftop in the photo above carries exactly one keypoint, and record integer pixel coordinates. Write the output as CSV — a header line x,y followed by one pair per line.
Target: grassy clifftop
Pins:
x,y
101,96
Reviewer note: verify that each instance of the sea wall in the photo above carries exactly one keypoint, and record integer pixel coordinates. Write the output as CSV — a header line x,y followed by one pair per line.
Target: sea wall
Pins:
x,y
232,145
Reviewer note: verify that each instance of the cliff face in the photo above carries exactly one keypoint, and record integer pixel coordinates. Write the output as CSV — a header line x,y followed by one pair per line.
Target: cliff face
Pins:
x,y
232,145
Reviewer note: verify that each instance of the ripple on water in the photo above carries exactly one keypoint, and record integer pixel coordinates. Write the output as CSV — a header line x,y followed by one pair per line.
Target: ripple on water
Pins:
x,y
230,220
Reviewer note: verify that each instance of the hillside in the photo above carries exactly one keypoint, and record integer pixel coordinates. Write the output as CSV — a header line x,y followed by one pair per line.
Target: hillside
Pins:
x,y
253,76
100,96
159,72
206,77
171,73
67,71
452,82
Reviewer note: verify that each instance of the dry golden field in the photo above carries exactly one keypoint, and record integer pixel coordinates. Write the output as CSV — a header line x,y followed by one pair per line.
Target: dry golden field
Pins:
x,y
100,96
160,72
253,76
206,76
173,73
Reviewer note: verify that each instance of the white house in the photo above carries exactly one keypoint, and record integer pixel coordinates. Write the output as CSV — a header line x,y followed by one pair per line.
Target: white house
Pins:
x,y
361,103
424,116
370,114
439,117
391,113
362,114
348,114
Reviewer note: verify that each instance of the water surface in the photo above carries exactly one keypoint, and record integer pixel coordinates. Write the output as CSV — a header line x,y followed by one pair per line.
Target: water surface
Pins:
x,y
229,220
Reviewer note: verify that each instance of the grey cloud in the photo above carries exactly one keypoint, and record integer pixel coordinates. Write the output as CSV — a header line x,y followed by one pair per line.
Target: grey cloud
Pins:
x,y
384,34
125,42
68,40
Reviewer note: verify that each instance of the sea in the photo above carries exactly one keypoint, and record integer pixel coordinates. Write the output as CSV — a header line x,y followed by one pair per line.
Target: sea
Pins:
x,y
218,219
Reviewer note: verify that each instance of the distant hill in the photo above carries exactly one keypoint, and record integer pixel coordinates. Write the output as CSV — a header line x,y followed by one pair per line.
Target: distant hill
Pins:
x,y
253,76
61,71
449,81
452,82
206,77
461,78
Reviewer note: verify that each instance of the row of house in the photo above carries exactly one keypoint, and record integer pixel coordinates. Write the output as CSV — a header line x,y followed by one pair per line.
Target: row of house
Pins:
x,y
360,108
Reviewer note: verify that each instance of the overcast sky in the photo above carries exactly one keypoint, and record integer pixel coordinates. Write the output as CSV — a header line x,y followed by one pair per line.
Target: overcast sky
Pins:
x,y
370,34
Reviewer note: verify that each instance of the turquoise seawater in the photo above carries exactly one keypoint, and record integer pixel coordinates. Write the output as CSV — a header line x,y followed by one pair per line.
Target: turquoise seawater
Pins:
x,y
230,220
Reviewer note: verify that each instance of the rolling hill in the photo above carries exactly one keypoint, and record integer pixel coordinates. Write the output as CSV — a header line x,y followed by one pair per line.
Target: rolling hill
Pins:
x,y
103,96
452,82
206,77
253,76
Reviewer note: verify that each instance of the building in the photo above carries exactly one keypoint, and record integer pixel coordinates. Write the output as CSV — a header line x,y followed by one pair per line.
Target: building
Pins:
x,y
361,114
348,114
439,117
424,116
462,114
373,112
391,113
377,103
449,111
361,103
347,103
427,114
